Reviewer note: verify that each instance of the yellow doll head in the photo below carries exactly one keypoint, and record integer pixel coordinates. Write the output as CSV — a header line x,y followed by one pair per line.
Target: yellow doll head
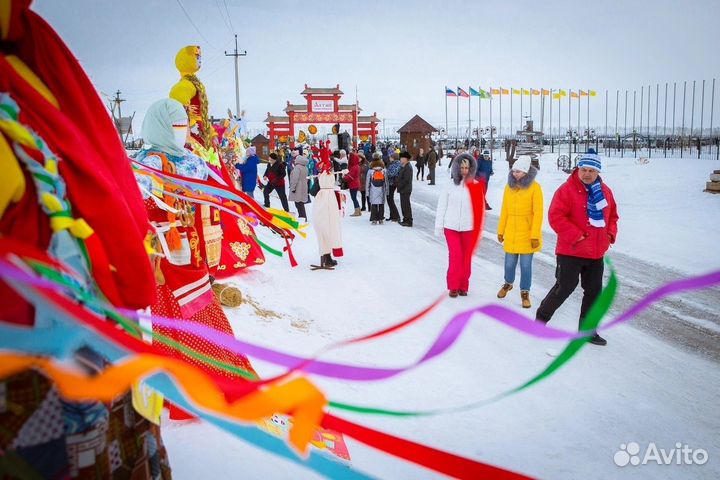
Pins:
x,y
188,60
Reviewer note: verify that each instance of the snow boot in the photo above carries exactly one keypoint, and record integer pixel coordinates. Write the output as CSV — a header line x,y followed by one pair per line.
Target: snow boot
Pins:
x,y
356,214
525,297
462,293
598,340
332,261
504,290
453,293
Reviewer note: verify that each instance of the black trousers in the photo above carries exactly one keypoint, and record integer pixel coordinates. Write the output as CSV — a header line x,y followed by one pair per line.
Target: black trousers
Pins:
x,y
405,207
420,172
377,212
281,193
431,175
568,271
364,199
394,214
300,206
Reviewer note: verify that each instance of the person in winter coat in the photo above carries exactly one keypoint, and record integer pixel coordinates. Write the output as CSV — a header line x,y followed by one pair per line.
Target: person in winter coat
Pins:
x,y
485,169
326,216
393,169
376,186
364,167
298,184
454,218
249,171
352,180
520,226
420,165
275,180
432,158
584,215
404,188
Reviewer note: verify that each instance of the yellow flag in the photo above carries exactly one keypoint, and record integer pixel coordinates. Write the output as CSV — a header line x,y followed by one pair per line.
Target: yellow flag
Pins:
x,y
495,91
536,92
562,93
505,91
583,94
516,91
525,92
593,93
556,96
573,94
545,92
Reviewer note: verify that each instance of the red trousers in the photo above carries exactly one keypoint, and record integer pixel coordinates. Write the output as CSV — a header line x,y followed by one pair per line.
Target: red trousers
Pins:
x,y
460,259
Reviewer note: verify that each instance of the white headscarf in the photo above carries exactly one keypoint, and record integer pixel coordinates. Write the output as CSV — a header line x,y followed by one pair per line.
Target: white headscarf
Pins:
x,y
157,127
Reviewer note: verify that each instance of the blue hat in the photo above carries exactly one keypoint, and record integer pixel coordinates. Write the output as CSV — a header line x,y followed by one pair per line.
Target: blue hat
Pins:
x,y
590,159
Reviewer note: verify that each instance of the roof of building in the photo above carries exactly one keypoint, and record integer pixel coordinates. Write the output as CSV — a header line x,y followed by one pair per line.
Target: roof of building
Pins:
x,y
260,138
417,125
277,119
368,118
321,91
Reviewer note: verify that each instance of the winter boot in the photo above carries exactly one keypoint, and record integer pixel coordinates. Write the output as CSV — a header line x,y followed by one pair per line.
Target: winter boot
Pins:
x,y
356,214
453,293
504,290
325,261
333,262
525,296
598,340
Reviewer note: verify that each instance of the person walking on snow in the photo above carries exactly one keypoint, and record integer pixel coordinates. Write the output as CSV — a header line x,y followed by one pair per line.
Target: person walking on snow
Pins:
x,y
454,218
584,215
352,180
275,177
520,226
404,188
298,183
249,171
484,171
376,186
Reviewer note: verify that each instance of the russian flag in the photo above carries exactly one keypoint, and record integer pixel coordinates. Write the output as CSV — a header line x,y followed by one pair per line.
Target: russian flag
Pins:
x,y
462,93
449,93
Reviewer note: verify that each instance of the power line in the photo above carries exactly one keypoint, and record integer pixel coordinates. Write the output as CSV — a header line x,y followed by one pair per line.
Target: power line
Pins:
x,y
195,26
222,15
229,17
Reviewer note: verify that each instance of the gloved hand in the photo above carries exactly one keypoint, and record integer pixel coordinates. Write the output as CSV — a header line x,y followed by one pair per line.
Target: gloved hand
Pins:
x,y
344,171
534,243
500,238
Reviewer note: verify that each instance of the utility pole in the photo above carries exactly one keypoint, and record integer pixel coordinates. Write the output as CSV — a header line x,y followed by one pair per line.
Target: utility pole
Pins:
x,y
236,55
117,101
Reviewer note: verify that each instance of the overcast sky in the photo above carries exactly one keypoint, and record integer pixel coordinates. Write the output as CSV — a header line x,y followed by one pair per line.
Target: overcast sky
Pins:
x,y
399,54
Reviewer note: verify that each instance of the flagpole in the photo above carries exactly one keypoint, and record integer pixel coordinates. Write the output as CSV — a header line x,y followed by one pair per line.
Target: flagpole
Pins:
x,y
531,102
521,109
588,120
457,119
692,111
569,124
682,129
500,125
550,102
665,112
447,133
479,117
702,108
642,88
469,120
492,143
606,114
657,109
511,108
578,129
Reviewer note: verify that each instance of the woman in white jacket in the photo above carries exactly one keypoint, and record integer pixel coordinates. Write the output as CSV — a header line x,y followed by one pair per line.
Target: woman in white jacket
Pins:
x,y
454,217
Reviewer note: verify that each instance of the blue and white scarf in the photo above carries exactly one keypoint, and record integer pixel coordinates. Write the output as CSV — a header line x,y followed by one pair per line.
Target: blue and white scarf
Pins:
x,y
596,204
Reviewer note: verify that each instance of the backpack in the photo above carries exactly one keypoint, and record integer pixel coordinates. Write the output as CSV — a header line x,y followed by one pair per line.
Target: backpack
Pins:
x,y
378,178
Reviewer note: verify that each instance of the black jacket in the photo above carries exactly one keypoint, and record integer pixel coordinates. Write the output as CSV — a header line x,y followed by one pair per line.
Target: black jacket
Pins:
x,y
405,179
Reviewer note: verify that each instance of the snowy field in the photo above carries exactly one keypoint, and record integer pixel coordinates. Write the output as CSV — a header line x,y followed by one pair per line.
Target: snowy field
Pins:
x,y
636,389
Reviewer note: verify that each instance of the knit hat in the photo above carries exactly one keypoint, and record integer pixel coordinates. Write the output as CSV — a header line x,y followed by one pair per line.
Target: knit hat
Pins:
x,y
522,164
250,151
590,160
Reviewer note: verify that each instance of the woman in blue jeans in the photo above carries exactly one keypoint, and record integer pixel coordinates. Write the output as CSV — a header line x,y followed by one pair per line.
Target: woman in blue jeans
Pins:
x,y
520,226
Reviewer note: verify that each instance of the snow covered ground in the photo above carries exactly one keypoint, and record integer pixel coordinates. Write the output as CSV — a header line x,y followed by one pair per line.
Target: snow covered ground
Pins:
x,y
637,389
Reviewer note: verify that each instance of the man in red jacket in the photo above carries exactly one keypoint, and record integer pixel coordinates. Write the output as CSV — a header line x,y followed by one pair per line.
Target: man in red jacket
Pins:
x,y
584,215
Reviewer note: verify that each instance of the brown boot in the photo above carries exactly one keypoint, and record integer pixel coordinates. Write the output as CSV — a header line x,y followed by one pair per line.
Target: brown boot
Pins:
x,y
525,297
357,213
504,290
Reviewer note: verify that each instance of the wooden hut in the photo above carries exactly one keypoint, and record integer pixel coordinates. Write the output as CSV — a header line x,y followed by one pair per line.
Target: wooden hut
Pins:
x,y
262,146
415,134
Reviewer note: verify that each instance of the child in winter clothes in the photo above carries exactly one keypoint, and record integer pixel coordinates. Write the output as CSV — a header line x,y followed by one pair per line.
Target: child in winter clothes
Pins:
x,y
376,186
520,226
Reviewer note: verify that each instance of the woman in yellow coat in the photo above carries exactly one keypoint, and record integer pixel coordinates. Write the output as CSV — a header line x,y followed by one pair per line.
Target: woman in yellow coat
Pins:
x,y
520,226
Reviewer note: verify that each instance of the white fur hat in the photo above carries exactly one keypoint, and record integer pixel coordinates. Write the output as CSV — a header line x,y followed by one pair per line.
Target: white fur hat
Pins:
x,y
522,164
